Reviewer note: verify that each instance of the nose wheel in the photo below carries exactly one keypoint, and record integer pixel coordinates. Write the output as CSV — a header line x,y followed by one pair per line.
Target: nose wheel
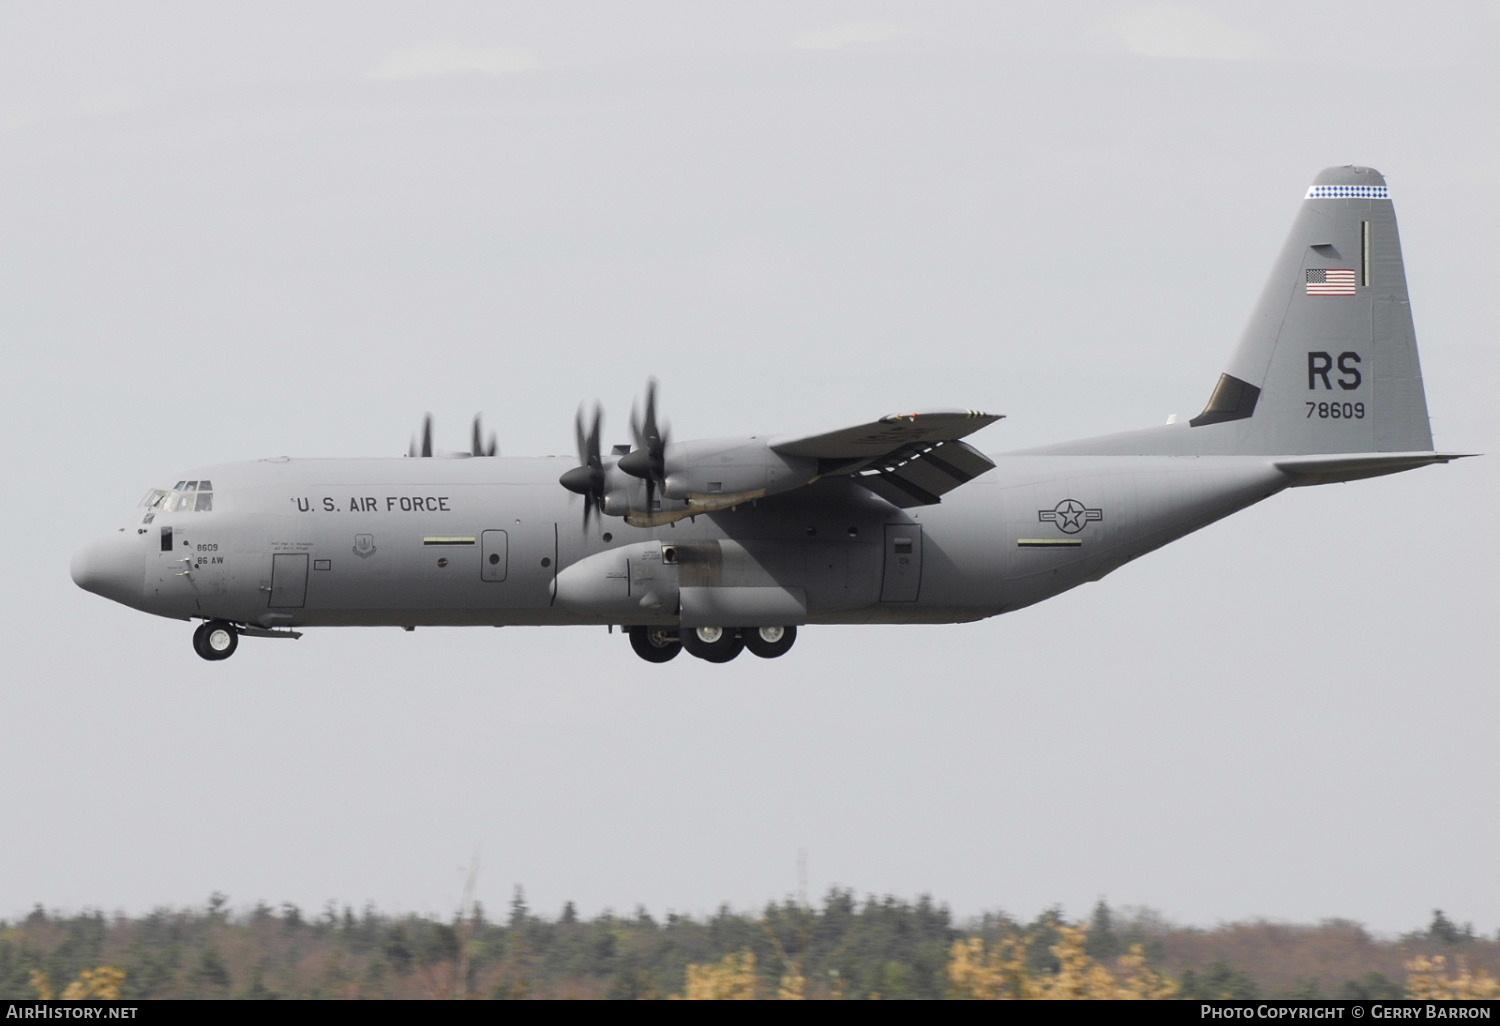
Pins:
x,y
215,640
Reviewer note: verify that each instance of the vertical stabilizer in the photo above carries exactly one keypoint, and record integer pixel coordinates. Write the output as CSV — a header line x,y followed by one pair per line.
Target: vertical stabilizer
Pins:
x,y
1328,362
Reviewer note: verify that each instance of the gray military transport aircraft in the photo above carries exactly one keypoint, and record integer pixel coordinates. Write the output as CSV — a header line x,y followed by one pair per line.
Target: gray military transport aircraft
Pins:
x,y
726,544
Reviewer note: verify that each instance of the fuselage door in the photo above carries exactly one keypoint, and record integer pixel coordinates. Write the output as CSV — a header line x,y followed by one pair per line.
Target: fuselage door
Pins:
x,y
522,558
288,580
903,563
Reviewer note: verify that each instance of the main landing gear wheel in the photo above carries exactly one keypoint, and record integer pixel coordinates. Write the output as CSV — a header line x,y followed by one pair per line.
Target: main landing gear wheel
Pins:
x,y
770,642
655,644
215,640
715,644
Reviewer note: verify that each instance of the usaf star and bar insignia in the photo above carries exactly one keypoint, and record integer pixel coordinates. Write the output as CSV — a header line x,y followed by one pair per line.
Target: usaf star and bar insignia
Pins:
x,y
1070,517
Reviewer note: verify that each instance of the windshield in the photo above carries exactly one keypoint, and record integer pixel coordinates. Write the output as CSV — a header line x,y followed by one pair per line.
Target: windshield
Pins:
x,y
184,497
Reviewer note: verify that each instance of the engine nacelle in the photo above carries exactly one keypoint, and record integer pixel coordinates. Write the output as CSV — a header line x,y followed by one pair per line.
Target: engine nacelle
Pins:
x,y
722,472
625,496
702,477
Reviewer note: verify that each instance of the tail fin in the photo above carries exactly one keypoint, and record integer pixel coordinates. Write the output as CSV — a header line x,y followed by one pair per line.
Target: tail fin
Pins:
x,y
1328,362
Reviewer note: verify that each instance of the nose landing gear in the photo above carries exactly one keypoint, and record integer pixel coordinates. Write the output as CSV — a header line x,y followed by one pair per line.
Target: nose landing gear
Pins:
x,y
215,640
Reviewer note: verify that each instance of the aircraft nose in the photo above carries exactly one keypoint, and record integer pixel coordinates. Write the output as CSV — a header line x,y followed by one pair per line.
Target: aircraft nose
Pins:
x,y
113,566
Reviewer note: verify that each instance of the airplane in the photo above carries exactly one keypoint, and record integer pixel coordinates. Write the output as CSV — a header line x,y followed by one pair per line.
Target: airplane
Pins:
x,y
721,545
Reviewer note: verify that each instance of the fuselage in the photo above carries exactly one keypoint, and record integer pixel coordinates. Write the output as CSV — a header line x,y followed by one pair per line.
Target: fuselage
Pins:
x,y
496,541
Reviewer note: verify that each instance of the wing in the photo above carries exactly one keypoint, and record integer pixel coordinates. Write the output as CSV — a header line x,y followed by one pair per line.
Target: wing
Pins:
x,y
908,459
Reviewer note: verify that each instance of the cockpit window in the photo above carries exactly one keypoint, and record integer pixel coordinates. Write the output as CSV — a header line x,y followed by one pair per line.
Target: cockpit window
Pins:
x,y
187,497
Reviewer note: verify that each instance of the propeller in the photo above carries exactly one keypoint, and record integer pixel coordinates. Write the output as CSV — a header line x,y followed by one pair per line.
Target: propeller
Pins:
x,y
649,458
411,450
587,479
477,446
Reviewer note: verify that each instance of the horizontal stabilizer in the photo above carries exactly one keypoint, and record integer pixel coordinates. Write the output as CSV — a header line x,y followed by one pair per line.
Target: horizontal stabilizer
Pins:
x,y
1315,470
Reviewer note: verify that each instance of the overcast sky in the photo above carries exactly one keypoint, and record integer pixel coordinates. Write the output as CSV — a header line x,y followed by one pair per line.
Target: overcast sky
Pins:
x,y
231,231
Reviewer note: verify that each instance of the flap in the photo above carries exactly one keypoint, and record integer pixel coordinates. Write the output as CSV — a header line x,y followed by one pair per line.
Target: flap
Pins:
x,y
922,477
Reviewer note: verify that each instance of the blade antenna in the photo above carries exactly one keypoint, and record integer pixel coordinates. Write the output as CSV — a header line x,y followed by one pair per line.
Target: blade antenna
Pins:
x,y
427,435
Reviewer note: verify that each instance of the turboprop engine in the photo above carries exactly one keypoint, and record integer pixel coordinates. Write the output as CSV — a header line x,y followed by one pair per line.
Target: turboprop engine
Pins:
x,y
715,473
658,482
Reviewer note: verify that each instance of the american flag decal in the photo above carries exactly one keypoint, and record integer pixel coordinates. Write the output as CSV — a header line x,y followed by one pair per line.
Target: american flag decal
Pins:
x,y
1330,281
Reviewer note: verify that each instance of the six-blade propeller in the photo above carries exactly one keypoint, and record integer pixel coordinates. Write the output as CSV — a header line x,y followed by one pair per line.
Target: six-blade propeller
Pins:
x,y
478,446
587,479
648,460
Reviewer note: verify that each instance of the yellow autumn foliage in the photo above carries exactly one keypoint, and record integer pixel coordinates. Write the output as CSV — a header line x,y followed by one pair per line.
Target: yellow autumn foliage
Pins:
x,y
1428,980
977,971
101,984
1005,973
732,978
793,986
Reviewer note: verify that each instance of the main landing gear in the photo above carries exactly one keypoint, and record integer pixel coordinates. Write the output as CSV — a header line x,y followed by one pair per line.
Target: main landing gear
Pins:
x,y
712,644
215,640
654,644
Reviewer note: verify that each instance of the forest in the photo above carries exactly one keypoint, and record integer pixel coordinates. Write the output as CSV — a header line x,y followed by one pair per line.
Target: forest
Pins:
x,y
843,947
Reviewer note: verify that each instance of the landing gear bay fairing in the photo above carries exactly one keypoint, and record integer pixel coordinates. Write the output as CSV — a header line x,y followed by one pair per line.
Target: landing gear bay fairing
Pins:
x,y
724,545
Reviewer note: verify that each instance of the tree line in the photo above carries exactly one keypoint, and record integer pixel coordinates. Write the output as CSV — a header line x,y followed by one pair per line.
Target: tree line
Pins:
x,y
841,947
